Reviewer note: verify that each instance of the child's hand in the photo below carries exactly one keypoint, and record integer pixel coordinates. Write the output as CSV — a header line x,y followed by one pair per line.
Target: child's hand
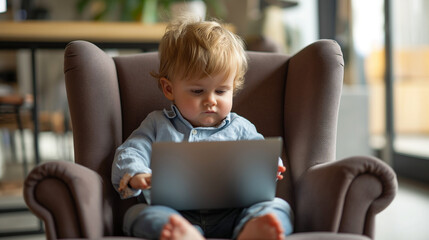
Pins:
x,y
281,169
141,181
124,182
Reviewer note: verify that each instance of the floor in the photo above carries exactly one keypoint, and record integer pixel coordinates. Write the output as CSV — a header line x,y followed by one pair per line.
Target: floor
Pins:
x,y
406,218
11,174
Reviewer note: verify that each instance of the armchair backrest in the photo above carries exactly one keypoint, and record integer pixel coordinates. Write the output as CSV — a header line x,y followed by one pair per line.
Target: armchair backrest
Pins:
x,y
296,98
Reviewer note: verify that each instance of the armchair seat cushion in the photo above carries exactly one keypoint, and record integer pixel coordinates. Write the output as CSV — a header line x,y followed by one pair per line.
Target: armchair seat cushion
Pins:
x,y
297,236
326,236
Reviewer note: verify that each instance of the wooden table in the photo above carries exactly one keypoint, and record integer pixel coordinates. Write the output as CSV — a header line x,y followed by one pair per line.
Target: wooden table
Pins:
x,y
46,34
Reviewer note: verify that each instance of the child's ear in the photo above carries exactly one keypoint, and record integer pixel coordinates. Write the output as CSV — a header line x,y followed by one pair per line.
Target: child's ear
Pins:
x,y
167,88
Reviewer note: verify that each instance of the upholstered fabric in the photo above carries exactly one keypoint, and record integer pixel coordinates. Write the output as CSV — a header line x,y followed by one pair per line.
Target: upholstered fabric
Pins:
x,y
295,97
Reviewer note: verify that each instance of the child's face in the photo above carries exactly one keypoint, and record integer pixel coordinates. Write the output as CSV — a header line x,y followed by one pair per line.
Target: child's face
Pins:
x,y
203,102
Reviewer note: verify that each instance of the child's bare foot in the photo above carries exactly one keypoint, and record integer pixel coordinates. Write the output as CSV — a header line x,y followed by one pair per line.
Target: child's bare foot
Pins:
x,y
262,227
179,228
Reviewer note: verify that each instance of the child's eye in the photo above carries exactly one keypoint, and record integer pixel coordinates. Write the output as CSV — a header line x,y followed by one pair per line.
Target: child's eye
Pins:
x,y
220,92
197,91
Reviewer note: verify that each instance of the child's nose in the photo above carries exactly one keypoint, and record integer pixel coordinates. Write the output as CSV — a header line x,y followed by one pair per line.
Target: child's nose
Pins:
x,y
210,100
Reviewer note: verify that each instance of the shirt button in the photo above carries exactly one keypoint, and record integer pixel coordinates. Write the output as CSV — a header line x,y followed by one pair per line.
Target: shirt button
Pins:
x,y
194,132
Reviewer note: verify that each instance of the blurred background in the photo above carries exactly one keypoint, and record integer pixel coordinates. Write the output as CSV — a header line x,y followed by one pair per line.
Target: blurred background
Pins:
x,y
384,105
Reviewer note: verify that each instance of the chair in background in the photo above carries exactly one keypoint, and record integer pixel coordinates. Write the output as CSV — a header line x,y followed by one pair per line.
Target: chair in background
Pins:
x,y
11,119
295,97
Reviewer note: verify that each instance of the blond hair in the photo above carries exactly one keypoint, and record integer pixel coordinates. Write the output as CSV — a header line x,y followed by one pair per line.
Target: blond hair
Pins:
x,y
191,48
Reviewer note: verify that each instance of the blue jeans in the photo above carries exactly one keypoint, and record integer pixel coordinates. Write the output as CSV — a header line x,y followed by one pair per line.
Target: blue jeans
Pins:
x,y
147,221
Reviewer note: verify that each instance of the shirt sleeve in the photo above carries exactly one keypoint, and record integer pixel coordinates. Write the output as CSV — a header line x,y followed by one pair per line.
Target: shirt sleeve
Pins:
x,y
133,157
245,130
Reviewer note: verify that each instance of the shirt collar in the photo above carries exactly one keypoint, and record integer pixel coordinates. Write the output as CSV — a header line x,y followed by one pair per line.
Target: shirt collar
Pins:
x,y
174,112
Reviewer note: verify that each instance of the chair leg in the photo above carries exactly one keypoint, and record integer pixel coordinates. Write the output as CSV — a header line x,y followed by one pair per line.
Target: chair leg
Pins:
x,y
21,133
11,141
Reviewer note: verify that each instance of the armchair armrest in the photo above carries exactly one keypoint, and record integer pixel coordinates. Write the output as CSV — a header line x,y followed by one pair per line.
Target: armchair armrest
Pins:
x,y
344,196
68,198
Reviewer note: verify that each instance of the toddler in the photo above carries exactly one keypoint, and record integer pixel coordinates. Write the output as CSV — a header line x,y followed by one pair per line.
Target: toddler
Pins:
x,y
202,66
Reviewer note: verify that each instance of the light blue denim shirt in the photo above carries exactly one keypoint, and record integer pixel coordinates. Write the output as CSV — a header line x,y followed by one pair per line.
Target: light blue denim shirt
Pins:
x,y
133,156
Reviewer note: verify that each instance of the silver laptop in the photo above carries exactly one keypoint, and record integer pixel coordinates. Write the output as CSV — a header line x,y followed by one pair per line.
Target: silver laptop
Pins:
x,y
214,175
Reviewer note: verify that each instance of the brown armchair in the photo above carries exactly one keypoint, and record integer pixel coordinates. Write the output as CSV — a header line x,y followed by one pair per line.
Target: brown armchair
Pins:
x,y
295,97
